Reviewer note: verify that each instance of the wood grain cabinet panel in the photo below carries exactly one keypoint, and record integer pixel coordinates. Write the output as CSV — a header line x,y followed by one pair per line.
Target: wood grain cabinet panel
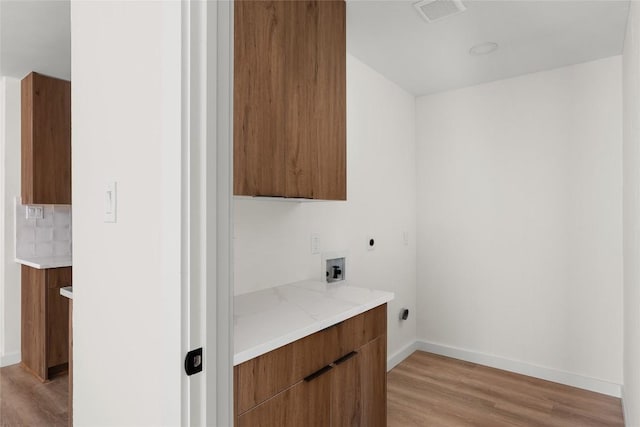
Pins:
x,y
45,320
46,140
34,323
308,403
263,377
346,392
274,389
373,374
290,99
57,316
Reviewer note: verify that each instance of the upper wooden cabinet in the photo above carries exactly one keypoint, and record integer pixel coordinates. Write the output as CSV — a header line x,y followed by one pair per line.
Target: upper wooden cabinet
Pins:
x,y
290,99
46,140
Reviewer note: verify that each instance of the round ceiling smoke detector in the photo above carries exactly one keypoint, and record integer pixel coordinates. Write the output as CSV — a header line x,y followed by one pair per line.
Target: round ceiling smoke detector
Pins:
x,y
483,48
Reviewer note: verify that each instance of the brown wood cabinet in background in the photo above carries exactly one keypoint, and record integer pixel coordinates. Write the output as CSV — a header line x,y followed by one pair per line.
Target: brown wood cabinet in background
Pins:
x,y
290,99
46,140
335,377
45,320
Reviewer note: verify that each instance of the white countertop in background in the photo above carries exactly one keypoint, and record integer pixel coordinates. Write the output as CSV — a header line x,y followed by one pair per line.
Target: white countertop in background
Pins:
x,y
268,319
67,291
46,262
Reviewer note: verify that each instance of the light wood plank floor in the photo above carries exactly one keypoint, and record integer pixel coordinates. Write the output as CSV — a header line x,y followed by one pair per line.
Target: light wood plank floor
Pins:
x,y
431,390
424,390
25,401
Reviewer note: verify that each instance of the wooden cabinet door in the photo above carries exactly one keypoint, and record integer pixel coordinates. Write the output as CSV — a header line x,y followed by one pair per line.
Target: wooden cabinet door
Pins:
x,y
45,319
373,377
328,134
33,312
316,96
290,99
346,392
57,316
308,403
46,140
259,107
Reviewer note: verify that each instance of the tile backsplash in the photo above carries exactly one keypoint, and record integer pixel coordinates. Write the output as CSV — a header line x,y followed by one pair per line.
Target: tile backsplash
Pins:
x,y
49,236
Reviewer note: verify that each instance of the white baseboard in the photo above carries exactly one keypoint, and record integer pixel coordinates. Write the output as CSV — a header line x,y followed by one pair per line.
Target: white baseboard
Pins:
x,y
400,355
10,359
562,377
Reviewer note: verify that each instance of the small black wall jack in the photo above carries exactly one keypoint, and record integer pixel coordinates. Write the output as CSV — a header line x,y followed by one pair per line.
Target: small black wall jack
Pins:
x,y
404,314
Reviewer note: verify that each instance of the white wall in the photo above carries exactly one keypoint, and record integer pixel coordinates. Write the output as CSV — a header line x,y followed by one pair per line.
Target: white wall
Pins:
x,y
9,190
631,213
126,88
272,239
520,221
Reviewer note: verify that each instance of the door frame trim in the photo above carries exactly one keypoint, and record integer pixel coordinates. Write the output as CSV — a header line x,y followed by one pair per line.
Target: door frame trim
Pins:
x,y
207,291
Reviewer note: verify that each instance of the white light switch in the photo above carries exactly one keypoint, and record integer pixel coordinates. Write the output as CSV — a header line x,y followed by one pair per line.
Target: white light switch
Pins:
x,y
110,202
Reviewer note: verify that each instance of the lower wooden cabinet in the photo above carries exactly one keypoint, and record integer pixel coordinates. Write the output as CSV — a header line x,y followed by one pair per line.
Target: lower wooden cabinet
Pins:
x,y
335,377
346,391
374,382
45,320
308,403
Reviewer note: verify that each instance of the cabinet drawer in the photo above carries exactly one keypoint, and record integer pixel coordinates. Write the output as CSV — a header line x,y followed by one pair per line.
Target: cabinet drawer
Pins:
x,y
263,377
260,378
308,403
355,332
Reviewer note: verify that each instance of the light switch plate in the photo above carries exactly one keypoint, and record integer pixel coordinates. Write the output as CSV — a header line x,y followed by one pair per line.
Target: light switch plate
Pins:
x,y
110,201
315,243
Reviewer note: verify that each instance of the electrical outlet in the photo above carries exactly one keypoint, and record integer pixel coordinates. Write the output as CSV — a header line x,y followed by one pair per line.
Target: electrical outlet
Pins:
x,y
35,212
405,238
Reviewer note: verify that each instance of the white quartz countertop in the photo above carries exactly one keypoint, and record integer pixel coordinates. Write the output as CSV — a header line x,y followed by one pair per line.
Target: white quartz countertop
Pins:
x,y
46,262
268,319
67,291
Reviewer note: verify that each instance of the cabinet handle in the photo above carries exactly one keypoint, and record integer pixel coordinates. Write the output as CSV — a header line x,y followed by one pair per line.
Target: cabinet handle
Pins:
x,y
318,373
345,358
283,197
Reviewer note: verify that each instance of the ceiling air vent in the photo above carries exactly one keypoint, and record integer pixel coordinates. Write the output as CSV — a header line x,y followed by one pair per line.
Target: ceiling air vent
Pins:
x,y
435,10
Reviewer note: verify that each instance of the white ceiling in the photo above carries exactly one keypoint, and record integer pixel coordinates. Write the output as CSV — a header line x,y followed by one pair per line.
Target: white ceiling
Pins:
x,y
390,36
35,36
533,36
